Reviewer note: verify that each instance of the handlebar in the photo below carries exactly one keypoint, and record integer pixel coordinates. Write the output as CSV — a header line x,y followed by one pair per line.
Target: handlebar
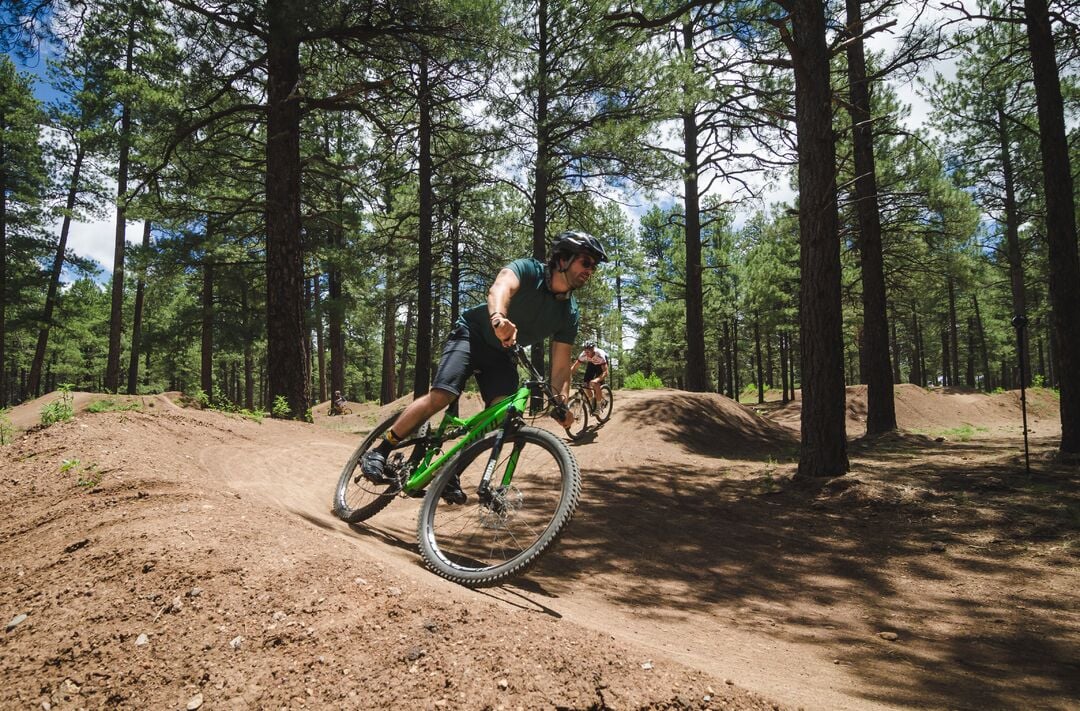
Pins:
x,y
558,411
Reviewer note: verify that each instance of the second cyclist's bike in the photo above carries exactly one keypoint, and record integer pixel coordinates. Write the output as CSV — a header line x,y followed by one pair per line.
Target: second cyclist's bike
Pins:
x,y
522,485
584,406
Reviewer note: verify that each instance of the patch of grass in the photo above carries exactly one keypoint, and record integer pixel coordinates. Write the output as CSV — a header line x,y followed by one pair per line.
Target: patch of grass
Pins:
x,y
962,433
7,430
59,410
89,476
112,405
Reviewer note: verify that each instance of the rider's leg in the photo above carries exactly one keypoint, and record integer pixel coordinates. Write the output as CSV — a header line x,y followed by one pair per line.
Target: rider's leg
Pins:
x,y
454,369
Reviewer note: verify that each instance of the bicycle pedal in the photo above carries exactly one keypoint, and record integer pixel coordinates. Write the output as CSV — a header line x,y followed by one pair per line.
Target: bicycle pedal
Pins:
x,y
416,493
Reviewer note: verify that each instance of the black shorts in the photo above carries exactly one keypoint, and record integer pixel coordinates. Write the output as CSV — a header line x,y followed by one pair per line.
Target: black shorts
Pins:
x,y
468,354
592,370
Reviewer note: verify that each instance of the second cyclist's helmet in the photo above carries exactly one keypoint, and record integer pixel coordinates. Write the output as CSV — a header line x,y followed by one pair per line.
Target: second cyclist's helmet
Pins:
x,y
588,345
573,242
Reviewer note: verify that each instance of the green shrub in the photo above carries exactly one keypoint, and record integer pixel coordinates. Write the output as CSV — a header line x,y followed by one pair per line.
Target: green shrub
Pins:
x,y
638,381
7,431
59,410
281,408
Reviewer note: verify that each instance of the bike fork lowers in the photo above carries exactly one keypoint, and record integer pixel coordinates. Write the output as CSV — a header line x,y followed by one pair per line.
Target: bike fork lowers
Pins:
x,y
483,490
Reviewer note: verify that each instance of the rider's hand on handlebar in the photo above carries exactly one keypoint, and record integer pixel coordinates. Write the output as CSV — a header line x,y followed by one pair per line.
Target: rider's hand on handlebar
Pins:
x,y
505,331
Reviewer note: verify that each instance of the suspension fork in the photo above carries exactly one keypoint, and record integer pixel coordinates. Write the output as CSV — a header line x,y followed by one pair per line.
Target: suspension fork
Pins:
x,y
483,490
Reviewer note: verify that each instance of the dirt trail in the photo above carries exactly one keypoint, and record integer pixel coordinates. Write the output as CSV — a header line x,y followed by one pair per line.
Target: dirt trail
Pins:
x,y
915,582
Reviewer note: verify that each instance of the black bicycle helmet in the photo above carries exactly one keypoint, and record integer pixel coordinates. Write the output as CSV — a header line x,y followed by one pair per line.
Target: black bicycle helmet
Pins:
x,y
572,242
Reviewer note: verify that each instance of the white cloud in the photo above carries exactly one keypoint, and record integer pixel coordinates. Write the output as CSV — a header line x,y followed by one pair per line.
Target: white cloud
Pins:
x,y
96,240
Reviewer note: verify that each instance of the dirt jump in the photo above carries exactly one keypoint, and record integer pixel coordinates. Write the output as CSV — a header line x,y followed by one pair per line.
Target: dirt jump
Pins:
x,y
170,557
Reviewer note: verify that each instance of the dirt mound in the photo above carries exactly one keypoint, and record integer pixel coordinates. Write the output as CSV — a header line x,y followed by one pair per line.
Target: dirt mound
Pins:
x,y
151,558
950,412
147,563
705,424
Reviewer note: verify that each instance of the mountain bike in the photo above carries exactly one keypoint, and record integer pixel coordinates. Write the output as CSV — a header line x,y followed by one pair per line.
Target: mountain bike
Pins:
x,y
343,410
583,404
523,485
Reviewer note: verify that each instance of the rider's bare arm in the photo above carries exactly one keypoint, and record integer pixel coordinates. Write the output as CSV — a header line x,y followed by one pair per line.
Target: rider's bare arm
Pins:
x,y
499,295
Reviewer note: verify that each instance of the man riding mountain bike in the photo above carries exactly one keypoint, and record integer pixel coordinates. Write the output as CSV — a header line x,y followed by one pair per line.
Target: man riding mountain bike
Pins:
x,y
596,372
529,301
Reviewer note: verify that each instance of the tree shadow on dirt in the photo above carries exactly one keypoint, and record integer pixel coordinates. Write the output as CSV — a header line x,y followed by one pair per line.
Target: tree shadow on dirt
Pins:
x,y
892,547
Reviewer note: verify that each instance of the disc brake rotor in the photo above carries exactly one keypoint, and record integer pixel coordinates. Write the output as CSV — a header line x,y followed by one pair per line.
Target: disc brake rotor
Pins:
x,y
505,502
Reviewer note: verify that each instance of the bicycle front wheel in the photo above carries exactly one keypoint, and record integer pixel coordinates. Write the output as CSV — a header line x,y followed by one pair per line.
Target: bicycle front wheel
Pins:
x,y
579,407
603,412
534,490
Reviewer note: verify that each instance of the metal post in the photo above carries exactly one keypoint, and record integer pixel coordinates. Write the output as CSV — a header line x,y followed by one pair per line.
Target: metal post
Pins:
x,y
1019,322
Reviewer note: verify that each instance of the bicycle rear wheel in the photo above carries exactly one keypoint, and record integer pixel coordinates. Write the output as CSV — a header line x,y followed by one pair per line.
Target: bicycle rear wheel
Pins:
x,y
603,412
483,543
356,498
579,406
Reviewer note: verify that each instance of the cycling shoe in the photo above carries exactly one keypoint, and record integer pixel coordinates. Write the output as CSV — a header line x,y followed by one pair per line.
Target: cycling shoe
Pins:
x,y
373,467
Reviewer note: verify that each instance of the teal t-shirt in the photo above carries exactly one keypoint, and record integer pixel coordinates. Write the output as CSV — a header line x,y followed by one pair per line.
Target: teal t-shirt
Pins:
x,y
533,309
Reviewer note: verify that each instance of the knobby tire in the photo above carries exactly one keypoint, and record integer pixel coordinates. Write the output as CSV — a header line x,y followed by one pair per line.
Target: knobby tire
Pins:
x,y
357,499
479,545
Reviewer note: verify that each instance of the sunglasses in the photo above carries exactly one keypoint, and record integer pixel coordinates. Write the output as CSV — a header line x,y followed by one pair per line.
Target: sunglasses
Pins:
x,y
588,263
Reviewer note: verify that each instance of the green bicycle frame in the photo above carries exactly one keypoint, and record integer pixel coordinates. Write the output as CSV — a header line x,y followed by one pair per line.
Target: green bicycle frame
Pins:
x,y
501,414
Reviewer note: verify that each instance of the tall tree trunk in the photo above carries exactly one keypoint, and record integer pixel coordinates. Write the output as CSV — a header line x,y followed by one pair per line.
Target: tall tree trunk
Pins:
x,y
320,345
954,333
387,391
983,350
1012,222
1060,220
249,355
422,372
406,341
335,307
544,160
760,367
34,384
286,341
116,314
784,356
206,369
894,346
136,316
697,378
946,372
821,342
736,385
3,266
880,408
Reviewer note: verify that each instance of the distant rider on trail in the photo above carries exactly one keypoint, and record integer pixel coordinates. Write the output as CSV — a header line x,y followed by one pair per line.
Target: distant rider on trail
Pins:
x,y
528,302
596,372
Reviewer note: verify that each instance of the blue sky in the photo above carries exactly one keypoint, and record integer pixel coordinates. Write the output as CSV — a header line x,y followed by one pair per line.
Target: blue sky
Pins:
x,y
87,239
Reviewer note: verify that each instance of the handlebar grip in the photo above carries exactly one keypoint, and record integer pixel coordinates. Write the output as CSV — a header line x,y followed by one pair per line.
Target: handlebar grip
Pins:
x,y
559,412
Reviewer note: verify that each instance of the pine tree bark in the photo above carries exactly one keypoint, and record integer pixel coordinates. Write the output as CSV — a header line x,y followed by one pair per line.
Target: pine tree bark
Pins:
x,y
286,341
1060,219
116,313
136,317
824,441
206,369
697,379
880,408
422,372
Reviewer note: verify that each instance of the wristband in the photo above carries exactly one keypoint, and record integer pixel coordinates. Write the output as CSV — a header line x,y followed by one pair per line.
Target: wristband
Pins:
x,y
497,313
